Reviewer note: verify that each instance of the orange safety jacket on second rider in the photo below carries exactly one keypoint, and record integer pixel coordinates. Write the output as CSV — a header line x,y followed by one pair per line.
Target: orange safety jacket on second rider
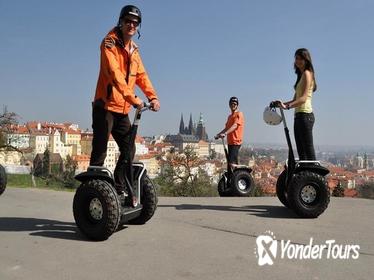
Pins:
x,y
120,71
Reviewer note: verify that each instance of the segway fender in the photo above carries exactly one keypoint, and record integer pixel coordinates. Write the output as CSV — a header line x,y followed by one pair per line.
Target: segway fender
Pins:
x,y
318,169
90,174
243,167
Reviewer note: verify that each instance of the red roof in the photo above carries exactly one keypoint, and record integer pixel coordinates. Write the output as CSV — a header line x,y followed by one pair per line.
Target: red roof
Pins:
x,y
19,129
72,131
350,193
147,156
336,170
81,157
87,135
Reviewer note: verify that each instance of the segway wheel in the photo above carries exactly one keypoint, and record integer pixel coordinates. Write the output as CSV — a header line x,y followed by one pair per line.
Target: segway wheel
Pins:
x,y
223,190
308,194
96,209
148,200
3,179
242,183
281,189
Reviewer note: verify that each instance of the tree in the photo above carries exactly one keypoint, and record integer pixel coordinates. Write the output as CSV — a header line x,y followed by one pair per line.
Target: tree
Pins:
x,y
213,154
69,172
366,190
46,164
182,175
7,120
338,191
256,191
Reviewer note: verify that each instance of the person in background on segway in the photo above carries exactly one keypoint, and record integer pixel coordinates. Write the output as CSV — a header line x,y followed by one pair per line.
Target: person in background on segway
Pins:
x,y
121,68
302,102
234,131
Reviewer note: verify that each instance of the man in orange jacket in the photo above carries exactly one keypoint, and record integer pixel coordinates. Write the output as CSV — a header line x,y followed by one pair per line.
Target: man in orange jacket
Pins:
x,y
121,68
234,131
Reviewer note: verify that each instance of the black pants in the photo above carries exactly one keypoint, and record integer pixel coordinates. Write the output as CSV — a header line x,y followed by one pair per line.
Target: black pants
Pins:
x,y
233,153
105,123
303,130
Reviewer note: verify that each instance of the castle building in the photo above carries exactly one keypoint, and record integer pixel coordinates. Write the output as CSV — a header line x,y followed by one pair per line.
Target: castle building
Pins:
x,y
194,130
193,135
200,129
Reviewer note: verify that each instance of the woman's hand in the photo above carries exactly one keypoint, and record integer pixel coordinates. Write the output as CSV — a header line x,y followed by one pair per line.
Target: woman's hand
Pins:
x,y
280,104
283,106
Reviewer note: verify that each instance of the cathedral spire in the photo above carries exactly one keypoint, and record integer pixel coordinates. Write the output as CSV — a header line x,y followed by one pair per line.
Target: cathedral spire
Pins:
x,y
181,125
190,125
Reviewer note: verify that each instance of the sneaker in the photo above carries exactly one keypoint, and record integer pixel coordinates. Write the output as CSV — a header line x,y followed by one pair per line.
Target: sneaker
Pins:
x,y
135,201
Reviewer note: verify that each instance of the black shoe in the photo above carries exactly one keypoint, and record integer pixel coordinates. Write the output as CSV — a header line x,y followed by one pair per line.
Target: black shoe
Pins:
x,y
127,201
123,197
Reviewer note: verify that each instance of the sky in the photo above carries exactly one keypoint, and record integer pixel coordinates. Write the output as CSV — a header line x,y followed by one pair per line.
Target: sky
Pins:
x,y
198,54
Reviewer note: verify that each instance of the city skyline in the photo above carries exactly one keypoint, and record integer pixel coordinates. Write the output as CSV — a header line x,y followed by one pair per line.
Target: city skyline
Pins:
x,y
66,142
338,149
196,62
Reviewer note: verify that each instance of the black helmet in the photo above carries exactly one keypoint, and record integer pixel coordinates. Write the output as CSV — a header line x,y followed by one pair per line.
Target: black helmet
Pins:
x,y
234,100
130,10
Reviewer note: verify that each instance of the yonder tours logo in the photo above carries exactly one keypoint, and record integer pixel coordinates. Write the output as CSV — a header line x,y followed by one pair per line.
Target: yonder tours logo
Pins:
x,y
268,249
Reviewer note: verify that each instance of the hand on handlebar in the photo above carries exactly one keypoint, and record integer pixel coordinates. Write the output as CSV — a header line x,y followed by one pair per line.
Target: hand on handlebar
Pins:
x,y
277,104
155,105
221,135
140,105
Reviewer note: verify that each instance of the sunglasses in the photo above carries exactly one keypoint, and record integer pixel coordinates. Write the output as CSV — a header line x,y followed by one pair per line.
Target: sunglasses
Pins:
x,y
129,22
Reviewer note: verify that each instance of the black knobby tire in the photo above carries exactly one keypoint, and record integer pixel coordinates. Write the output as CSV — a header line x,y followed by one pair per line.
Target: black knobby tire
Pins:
x,y
281,188
96,228
241,183
305,186
148,201
222,189
3,179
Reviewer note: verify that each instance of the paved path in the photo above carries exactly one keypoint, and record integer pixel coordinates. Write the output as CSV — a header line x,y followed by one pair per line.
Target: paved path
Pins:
x,y
188,238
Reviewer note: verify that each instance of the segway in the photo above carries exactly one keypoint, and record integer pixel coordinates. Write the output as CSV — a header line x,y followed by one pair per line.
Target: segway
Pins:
x,y
302,185
99,210
235,181
3,179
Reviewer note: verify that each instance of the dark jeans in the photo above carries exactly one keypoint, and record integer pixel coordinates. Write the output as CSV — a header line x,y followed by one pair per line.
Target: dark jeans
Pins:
x,y
233,153
105,123
303,130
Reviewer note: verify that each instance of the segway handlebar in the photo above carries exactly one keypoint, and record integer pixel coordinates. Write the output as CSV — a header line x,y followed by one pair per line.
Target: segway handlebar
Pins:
x,y
225,149
146,106
222,138
291,157
139,111
277,104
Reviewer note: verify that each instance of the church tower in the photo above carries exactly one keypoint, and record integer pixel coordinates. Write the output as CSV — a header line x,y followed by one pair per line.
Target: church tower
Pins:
x,y
366,162
181,125
200,129
190,129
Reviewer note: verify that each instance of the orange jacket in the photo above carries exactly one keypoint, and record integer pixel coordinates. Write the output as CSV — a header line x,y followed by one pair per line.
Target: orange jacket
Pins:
x,y
235,137
120,71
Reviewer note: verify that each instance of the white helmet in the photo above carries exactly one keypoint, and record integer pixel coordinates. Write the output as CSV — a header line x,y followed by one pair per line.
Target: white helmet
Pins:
x,y
271,116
